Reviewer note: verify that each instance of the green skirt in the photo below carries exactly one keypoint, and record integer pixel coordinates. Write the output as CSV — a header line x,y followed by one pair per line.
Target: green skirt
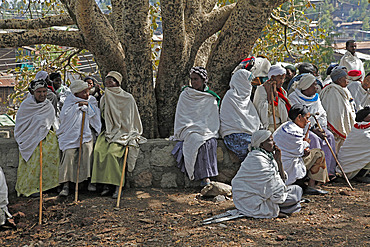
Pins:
x,y
108,162
28,174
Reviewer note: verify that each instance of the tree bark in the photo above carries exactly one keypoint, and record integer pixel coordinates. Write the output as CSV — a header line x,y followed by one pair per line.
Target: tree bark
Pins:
x,y
137,39
41,36
56,20
233,44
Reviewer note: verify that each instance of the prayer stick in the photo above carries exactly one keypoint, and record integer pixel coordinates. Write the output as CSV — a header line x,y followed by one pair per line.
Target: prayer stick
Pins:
x,y
332,152
79,155
122,176
273,89
40,206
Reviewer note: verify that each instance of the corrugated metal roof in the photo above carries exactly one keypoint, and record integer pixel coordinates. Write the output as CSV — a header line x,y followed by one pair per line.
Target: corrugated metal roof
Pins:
x,y
7,80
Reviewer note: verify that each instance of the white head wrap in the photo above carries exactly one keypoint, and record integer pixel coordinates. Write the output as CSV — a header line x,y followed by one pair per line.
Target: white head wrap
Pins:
x,y
116,75
259,136
261,67
41,75
78,86
306,81
276,70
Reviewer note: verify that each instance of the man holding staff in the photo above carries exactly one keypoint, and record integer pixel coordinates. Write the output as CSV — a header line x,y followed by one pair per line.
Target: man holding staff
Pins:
x,y
271,98
34,122
123,130
76,105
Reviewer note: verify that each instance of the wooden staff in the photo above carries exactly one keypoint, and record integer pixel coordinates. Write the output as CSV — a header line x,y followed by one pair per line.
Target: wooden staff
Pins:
x,y
79,155
273,89
332,152
40,206
122,176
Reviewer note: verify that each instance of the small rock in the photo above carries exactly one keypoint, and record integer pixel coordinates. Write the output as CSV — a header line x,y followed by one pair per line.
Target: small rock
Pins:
x,y
219,198
280,237
222,225
344,192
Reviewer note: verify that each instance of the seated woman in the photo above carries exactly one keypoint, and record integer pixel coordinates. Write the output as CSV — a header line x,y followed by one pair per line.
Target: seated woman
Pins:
x,y
354,156
306,94
4,213
35,118
265,95
196,128
238,116
123,130
298,160
258,189
360,91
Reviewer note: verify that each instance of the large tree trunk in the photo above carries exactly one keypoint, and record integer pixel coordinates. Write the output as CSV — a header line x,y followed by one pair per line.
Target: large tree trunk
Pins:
x,y
233,45
186,25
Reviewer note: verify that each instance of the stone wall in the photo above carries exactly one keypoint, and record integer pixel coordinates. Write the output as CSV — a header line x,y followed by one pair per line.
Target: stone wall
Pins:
x,y
155,166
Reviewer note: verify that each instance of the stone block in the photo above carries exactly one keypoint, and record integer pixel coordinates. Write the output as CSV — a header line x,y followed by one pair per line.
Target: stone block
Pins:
x,y
169,180
161,156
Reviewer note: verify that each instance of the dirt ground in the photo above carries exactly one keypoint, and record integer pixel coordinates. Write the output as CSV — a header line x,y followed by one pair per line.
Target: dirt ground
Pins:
x,y
158,217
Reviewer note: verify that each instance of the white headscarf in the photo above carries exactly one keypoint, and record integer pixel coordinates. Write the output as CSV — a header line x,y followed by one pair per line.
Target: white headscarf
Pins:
x,y
78,86
276,70
306,81
260,136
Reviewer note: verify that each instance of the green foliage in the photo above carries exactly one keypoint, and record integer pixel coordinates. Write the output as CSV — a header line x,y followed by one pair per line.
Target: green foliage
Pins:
x,y
50,58
288,36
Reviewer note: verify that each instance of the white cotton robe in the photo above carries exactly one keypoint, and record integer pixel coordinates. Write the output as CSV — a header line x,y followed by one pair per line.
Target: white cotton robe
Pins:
x,y
359,94
71,121
196,121
238,114
32,124
352,62
289,138
265,110
354,154
257,187
337,102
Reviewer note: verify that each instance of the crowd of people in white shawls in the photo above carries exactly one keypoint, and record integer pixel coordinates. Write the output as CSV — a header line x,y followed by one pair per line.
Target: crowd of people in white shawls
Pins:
x,y
287,130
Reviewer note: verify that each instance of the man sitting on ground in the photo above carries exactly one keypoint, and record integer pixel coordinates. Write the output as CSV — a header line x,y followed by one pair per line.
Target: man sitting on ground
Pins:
x,y
354,156
300,162
258,190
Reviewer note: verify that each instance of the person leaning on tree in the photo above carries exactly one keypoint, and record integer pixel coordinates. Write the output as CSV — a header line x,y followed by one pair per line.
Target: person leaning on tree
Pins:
x,y
123,129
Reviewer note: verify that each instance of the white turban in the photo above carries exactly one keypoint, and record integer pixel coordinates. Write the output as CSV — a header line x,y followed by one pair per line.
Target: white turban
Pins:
x,y
276,70
306,81
261,67
259,136
41,75
78,86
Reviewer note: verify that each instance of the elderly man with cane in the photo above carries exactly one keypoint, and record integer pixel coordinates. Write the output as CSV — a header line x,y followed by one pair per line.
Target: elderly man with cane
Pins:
x,y
79,112
122,134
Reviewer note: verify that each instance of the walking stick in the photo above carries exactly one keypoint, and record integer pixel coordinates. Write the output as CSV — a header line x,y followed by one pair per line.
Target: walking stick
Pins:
x,y
332,152
273,89
122,176
40,206
79,155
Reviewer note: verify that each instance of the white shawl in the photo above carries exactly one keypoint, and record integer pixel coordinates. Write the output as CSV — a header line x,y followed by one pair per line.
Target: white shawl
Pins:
x,y
264,109
340,111
257,187
354,154
122,119
313,104
359,94
238,114
3,191
71,121
32,124
352,62
289,138
196,121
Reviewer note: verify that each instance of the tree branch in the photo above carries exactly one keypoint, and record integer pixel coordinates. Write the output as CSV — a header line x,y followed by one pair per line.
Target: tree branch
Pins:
x,y
40,36
56,20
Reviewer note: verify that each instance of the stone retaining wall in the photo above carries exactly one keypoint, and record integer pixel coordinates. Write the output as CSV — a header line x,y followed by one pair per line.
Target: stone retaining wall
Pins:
x,y
155,166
